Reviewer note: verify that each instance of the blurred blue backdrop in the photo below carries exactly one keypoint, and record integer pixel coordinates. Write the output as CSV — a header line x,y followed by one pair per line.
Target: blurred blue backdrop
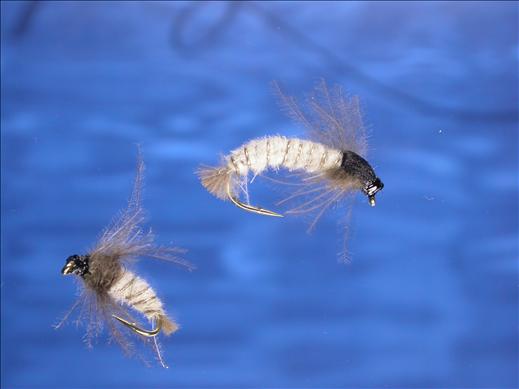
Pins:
x,y
430,298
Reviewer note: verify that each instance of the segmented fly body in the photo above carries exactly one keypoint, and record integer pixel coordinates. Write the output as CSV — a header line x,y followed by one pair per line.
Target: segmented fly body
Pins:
x,y
110,290
331,163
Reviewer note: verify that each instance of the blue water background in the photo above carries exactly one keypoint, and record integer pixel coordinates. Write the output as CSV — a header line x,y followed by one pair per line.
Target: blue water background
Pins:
x,y
430,298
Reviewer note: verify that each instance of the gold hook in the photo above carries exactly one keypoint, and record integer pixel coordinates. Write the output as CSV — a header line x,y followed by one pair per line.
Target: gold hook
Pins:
x,y
140,331
250,208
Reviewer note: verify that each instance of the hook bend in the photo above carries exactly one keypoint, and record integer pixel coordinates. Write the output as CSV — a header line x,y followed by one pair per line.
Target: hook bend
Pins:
x,y
138,330
250,208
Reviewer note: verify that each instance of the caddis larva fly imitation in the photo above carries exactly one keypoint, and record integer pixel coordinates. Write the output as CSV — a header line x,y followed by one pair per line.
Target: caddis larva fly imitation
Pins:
x,y
109,290
332,162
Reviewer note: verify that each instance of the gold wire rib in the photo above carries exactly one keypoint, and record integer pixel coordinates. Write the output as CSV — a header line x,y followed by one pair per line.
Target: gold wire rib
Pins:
x,y
250,208
140,331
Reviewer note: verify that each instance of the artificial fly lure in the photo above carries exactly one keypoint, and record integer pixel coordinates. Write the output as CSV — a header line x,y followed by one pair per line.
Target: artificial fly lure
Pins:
x,y
110,290
331,164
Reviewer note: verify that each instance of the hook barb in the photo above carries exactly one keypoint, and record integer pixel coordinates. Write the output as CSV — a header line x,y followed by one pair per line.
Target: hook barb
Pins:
x,y
148,333
250,208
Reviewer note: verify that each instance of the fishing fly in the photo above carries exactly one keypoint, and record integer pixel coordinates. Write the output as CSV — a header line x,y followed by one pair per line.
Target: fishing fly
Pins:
x,y
330,164
110,292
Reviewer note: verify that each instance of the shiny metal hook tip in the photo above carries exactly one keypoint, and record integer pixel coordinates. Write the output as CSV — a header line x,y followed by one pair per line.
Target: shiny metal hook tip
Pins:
x,y
138,330
250,208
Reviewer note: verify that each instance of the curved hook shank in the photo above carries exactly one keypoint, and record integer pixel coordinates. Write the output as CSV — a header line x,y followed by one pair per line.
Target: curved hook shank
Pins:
x,y
138,330
250,208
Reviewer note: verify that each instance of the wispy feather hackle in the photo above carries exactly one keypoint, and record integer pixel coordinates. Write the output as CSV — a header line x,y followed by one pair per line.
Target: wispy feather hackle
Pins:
x,y
330,116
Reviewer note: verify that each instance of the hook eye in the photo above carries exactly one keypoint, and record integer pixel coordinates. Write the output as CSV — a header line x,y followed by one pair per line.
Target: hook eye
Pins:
x,y
68,268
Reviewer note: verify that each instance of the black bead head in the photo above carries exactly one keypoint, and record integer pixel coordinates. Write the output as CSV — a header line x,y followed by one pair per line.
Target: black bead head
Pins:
x,y
76,264
360,169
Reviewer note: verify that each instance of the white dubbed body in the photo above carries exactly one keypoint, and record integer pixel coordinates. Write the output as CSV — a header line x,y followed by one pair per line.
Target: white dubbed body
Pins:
x,y
276,152
133,291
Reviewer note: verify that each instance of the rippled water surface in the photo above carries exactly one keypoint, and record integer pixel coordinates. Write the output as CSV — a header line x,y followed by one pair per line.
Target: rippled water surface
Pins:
x,y
430,298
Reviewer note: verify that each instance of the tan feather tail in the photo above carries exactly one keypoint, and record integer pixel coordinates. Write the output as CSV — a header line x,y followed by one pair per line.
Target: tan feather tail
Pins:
x,y
168,325
216,180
